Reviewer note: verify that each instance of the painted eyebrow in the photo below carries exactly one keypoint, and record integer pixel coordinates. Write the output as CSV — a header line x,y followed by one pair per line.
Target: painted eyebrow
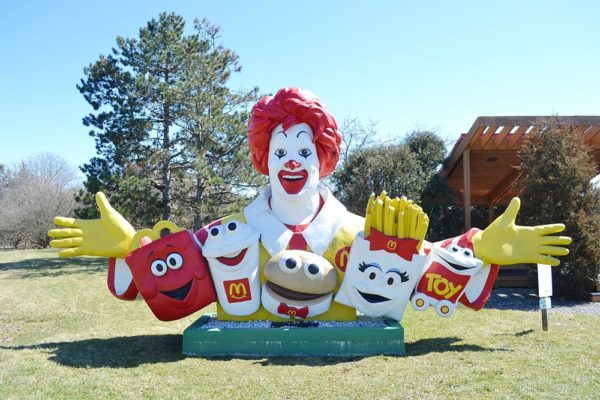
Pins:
x,y
150,254
363,266
403,275
171,245
285,134
298,135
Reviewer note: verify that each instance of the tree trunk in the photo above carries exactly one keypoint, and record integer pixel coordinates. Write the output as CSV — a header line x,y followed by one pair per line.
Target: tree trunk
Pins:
x,y
197,200
166,176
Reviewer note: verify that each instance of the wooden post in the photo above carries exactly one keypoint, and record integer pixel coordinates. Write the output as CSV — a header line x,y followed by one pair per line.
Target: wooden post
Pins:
x,y
467,187
490,213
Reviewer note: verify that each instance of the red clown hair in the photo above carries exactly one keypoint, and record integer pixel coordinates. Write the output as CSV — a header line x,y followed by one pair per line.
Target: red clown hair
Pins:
x,y
292,106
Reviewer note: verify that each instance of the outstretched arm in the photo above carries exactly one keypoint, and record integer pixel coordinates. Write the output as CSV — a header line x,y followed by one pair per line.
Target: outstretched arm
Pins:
x,y
108,236
505,243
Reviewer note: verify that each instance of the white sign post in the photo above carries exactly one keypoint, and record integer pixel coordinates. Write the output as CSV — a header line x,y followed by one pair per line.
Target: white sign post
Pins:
x,y
544,292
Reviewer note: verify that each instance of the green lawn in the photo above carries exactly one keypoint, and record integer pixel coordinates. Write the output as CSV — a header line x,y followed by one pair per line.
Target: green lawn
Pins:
x,y
62,335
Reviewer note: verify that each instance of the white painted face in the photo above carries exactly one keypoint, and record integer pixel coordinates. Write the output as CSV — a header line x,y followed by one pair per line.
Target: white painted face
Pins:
x,y
293,162
459,259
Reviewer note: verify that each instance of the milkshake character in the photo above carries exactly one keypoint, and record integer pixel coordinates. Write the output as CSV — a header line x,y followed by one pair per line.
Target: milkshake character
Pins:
x,y
231,250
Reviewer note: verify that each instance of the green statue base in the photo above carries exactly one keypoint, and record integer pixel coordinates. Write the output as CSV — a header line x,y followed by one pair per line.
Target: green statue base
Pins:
x,y
208,337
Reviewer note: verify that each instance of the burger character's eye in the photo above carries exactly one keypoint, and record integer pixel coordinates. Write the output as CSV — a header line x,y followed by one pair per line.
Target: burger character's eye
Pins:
x,y
280,153
313,271
174,260
289,264
158,268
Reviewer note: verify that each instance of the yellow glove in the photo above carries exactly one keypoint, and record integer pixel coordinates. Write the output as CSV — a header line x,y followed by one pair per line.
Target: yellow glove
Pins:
x,y
108,236
397,217
505,243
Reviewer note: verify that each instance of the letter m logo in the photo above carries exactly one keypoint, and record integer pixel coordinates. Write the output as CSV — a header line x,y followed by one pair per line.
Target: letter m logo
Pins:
x,y
237,290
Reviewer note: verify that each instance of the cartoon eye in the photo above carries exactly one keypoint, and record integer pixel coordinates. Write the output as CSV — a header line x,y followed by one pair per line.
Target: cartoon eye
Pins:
x,y
453,248
158,268
372,273
174,260
394,278
313,271
304,153
289,264
280,153
233,227
215,232
468,253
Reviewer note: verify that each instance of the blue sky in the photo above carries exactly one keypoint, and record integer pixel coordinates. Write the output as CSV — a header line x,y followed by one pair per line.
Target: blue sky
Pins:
x,y
429,64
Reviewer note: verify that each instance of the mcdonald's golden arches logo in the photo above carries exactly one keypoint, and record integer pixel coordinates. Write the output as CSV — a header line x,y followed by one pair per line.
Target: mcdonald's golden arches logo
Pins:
x,y
237,290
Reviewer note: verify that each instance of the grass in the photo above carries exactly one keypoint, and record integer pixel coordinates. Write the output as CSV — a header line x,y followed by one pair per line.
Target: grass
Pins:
x,y
63,336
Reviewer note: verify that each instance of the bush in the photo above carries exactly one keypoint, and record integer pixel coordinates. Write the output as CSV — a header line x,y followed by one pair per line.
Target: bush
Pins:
x,y
556,170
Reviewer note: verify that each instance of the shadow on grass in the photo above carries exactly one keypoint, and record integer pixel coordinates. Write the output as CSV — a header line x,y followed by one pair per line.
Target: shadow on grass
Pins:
x,y
133,351
119,352
443,345
418,348
49,267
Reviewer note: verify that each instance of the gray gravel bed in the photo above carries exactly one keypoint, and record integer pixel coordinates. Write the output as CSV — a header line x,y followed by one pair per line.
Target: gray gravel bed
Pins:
x,y
527,300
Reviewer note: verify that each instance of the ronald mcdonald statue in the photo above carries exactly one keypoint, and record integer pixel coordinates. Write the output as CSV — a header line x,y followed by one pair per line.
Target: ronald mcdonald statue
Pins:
x,y
295,253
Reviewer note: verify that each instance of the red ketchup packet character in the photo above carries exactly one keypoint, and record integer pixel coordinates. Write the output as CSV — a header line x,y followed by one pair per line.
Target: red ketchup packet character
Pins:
x,y
172,276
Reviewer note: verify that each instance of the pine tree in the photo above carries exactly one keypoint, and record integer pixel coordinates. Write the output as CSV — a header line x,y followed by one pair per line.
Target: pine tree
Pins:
x,y
164,121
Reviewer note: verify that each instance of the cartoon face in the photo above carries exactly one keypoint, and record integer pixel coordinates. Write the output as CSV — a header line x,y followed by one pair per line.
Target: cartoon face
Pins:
x,y
293,162
231,249
230,246
298,284
378,283
458,259
172,276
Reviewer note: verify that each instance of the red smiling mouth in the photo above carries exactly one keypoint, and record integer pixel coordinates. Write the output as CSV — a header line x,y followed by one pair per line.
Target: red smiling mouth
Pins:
x,y
233,261
293,181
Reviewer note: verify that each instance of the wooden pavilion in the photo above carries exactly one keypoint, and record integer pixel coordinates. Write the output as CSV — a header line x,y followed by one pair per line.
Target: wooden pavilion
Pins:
x,y
483,165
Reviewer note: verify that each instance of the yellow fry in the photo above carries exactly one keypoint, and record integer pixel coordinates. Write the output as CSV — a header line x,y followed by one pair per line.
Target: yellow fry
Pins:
x,y
368,222
379,215
411,221
388,223
400,228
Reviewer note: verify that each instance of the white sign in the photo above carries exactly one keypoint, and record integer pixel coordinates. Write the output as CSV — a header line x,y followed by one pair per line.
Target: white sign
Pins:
x,y
544,280
545,303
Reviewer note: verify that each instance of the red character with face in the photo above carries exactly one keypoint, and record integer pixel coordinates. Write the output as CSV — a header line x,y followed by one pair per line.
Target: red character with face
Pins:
x,y
172,276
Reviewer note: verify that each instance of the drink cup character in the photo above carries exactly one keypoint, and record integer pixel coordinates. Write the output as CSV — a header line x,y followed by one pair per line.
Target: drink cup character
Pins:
x,y
231,249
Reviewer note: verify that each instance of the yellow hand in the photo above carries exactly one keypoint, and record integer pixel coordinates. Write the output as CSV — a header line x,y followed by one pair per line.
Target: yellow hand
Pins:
x,y
108,236
396,217
505,243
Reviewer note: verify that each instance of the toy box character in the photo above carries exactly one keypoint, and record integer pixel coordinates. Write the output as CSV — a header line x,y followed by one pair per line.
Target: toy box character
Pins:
x,y
231,250
451,268
172,276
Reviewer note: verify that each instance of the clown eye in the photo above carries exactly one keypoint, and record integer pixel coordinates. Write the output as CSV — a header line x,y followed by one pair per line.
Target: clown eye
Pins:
x,y
289,264
468,253
313,271
280,153
305,153
174,260
158,268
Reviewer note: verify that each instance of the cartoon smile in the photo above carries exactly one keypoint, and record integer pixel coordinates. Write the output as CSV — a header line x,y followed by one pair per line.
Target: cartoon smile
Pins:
x,y
231,260
372,298
289,294
458,267
180,293
293,181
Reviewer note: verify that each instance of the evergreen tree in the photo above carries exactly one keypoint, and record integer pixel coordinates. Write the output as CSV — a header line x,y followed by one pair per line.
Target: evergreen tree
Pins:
x,y
164,121
556,169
